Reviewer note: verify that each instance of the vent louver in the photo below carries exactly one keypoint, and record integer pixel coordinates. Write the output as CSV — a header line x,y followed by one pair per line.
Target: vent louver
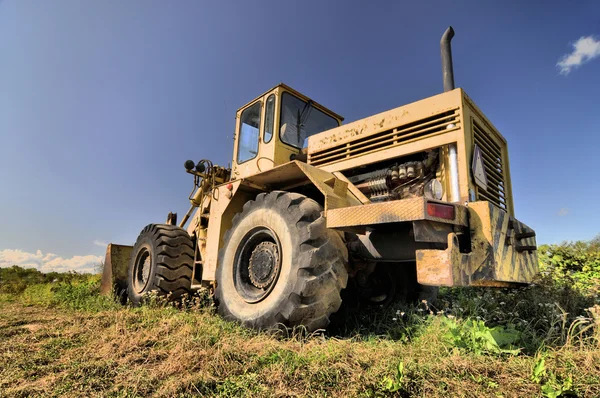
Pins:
x,y
494,168
385,139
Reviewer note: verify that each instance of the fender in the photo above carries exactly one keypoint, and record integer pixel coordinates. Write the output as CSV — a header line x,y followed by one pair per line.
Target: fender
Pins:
x,y
337,192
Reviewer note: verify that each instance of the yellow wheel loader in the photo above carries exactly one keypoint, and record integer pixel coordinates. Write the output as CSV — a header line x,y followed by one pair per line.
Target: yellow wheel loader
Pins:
x,y
393,205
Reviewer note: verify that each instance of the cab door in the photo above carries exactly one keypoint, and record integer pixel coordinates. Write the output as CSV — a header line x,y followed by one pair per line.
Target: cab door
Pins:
x,y
247,142
255,138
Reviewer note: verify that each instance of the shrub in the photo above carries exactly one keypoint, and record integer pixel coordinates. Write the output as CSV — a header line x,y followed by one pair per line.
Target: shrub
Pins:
x,y
15,279
575,264
38,294
82,295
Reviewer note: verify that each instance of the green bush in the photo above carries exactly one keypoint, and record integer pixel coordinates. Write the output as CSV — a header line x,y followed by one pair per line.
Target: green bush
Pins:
x,y
575,264
15,279
66,289
82,295
38,294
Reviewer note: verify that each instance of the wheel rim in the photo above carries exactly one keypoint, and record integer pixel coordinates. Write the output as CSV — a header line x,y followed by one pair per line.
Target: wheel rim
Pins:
x,y
257,264
141,270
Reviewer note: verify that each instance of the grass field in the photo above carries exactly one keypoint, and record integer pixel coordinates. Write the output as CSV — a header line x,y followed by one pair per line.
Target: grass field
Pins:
x,y
60,338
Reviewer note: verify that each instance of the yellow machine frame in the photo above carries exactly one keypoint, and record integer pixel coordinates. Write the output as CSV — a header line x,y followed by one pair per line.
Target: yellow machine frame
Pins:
x,y
501,250
340,197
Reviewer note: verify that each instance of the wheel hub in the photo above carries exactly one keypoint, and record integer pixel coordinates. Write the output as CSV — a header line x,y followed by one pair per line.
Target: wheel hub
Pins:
x,y
141,272
146,270
257,264
264,264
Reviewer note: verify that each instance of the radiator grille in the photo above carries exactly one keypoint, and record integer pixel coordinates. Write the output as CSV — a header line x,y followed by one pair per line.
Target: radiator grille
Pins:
x,y
494,168
385,139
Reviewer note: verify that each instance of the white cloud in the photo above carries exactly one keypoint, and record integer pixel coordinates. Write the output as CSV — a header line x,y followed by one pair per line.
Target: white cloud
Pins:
x,y
585,49
100,243
48,262
563,211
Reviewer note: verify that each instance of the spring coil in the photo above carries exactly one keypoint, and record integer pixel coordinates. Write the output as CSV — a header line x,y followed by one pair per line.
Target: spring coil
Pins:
x,y
378,183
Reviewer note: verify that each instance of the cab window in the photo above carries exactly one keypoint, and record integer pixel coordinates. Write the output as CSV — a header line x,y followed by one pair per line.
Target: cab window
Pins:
x,y
248,139
299,120
269,118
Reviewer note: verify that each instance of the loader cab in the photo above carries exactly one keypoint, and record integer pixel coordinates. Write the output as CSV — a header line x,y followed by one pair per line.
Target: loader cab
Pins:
x,y
272,129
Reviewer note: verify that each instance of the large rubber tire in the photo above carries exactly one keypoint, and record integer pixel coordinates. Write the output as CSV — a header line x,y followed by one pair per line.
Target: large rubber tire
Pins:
x,y
311,272
161,261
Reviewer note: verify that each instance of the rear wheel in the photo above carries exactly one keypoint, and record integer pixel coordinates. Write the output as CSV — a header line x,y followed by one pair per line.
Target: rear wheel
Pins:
x,y
280,265
161,261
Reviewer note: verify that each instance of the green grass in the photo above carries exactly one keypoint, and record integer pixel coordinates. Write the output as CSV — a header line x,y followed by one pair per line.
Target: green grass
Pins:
x,y
61,338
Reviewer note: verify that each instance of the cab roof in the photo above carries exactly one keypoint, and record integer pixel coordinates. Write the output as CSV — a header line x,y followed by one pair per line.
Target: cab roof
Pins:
x,y
299,95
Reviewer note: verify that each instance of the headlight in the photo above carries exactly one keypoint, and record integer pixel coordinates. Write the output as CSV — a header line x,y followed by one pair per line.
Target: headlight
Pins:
x,y
434,190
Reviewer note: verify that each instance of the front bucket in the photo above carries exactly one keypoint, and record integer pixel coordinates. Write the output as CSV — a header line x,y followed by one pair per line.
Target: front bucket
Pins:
x,y
114,275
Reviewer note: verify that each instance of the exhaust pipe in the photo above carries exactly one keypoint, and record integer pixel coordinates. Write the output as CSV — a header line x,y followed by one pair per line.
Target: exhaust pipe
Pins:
x,y
448,76
446,50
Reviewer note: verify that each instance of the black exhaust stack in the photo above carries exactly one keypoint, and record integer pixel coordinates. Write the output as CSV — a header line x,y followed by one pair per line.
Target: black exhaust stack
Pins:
x,y
447,69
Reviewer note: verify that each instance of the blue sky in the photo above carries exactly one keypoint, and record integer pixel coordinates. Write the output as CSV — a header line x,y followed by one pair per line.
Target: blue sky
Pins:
x,y
101,102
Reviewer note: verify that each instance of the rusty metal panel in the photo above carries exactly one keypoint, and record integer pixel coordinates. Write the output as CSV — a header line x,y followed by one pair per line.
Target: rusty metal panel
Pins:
x,y
393,211
502,253
114,274
401,135
364,128
449,136
507,237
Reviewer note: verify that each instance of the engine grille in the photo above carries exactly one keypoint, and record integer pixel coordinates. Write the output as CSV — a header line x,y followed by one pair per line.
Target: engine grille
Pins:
x,y
385,139
494,168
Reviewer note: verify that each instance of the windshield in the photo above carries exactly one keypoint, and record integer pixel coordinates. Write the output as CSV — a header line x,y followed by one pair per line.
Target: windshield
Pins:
x,y
300,120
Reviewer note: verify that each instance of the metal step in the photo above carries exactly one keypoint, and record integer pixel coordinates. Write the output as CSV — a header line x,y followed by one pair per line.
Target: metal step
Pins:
x,y
525,248
523,235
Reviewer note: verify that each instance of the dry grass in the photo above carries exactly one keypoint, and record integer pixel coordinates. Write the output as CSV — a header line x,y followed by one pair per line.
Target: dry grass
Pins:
x,y
50,350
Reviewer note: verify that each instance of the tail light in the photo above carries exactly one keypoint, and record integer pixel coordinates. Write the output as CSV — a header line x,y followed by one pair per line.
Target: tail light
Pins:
x,y
440,211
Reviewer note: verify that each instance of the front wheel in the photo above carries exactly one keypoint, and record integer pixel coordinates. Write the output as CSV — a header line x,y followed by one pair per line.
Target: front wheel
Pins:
x,y
280,265
161,261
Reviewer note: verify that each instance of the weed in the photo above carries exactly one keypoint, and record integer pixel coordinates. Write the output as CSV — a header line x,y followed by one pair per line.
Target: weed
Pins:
x,y
475,336
539,369
395,384
551,385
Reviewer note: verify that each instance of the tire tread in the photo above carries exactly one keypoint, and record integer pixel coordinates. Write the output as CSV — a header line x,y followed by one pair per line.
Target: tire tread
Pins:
x,y
174,254
321,273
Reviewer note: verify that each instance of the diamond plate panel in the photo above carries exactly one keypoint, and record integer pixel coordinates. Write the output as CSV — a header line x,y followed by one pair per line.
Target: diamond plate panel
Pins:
x,y
387,212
